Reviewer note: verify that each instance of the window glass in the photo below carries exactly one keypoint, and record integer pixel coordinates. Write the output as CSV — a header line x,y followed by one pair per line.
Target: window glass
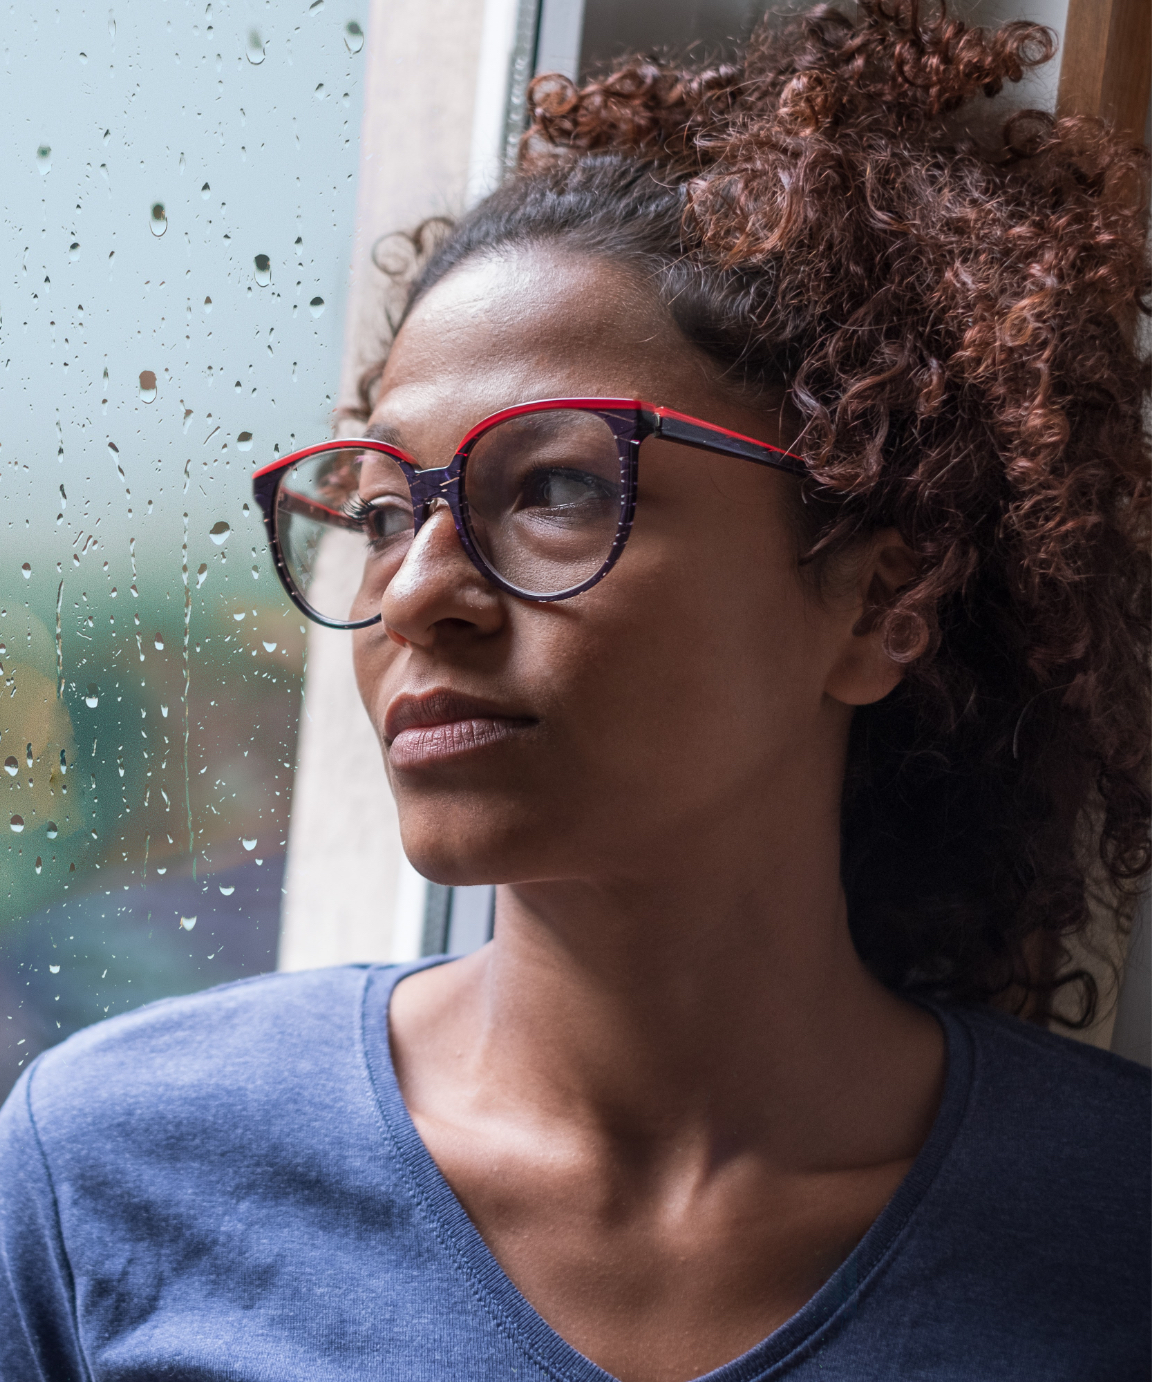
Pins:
x,y
179,194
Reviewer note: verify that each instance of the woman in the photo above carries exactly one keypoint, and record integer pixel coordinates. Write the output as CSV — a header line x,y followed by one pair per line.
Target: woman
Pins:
x,y
786,672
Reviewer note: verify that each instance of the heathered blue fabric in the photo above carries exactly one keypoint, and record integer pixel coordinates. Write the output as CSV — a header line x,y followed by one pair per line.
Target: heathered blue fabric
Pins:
x,y
228,1186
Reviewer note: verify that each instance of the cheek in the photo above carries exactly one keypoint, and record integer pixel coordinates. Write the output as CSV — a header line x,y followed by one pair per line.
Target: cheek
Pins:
x,y
692,671
373,654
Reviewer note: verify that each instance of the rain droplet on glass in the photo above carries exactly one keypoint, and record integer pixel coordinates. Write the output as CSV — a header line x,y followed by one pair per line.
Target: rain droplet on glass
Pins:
x,y
207,304
244,441
158,641
39,864
353,36
147,385
316,306
202,575
263,270
188,923
228,890
53,830
92,699
269,647
255,48
11,766
17,825
74,250
26,571
204,191
219,532
164,712
248,844
44,159
238,616
158,221
53,969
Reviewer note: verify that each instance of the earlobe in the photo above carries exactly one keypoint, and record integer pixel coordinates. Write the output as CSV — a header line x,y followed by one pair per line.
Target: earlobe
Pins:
x,y
866,670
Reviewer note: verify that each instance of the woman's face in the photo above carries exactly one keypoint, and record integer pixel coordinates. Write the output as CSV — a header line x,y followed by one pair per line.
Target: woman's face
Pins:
x,y
700,688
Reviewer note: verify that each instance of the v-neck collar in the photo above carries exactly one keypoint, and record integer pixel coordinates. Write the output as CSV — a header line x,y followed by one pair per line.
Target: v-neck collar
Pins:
x,y
518,1319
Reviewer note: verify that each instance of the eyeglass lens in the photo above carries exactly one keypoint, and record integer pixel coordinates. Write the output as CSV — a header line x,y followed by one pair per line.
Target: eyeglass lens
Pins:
x,y
542,497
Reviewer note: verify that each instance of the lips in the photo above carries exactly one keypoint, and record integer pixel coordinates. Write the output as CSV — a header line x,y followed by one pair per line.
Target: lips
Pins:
x,y
443,724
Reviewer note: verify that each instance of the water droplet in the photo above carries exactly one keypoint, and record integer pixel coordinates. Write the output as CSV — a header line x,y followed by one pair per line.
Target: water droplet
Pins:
x,y
229,891
269,647
238,616
207,304
53,969
244,441
53,830
39,864
248,844
26,570
316,306
17,825
164,712
147,385
74,250
263,270
219,532
202,575
320,93
158,223
44,159
111,28
255,48
188,922
159,642
205,191
353,36
93,697
11,765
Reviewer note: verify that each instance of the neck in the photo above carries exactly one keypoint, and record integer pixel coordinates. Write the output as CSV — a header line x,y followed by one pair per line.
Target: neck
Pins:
x,y
713,993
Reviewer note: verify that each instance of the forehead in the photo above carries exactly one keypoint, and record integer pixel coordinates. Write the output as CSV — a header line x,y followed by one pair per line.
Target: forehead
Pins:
x,y
535,323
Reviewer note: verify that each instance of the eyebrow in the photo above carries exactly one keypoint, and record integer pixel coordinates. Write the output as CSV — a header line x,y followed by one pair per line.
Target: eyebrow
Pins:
x,y
383,432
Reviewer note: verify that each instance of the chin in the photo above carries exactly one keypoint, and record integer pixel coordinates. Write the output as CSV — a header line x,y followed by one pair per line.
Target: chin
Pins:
x,y
454,843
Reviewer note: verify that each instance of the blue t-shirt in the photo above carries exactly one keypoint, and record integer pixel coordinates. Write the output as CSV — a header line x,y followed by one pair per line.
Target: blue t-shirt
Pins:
x,y
229,1186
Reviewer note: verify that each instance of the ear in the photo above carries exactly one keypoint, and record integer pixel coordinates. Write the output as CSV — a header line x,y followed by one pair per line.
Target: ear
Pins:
x,y
862,672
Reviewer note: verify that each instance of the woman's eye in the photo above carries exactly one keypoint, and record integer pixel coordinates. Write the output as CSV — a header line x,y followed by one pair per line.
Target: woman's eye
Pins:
x,y
563,488
384,519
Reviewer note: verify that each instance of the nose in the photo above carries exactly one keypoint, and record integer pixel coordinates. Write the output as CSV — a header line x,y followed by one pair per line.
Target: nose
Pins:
x,y
437,593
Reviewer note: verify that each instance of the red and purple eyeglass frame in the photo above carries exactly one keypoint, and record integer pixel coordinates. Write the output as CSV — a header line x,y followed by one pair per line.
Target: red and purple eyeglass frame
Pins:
x,y
631,422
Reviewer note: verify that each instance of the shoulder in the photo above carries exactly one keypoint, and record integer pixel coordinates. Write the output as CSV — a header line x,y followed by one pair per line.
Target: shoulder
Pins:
x,y
1095,1096
1054,1150
172,1060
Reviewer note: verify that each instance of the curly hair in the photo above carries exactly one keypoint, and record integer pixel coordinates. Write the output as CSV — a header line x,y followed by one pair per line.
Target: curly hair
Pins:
x,y
950,314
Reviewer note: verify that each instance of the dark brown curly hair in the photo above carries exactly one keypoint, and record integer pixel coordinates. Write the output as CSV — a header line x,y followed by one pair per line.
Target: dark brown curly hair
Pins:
x,y
951,314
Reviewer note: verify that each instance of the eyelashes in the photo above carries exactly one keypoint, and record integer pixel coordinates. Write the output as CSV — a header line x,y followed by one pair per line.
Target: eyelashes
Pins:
x,y
358,509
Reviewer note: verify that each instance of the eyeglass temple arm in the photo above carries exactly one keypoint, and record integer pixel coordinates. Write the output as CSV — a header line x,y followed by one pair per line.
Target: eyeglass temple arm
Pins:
x,y
676,427
296,503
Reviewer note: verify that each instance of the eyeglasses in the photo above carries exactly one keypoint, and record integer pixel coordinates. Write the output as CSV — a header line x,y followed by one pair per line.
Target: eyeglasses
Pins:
x,y
542,495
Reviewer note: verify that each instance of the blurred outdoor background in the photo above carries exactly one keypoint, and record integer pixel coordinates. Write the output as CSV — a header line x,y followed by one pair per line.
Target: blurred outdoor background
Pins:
x,y
179,195
192,194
